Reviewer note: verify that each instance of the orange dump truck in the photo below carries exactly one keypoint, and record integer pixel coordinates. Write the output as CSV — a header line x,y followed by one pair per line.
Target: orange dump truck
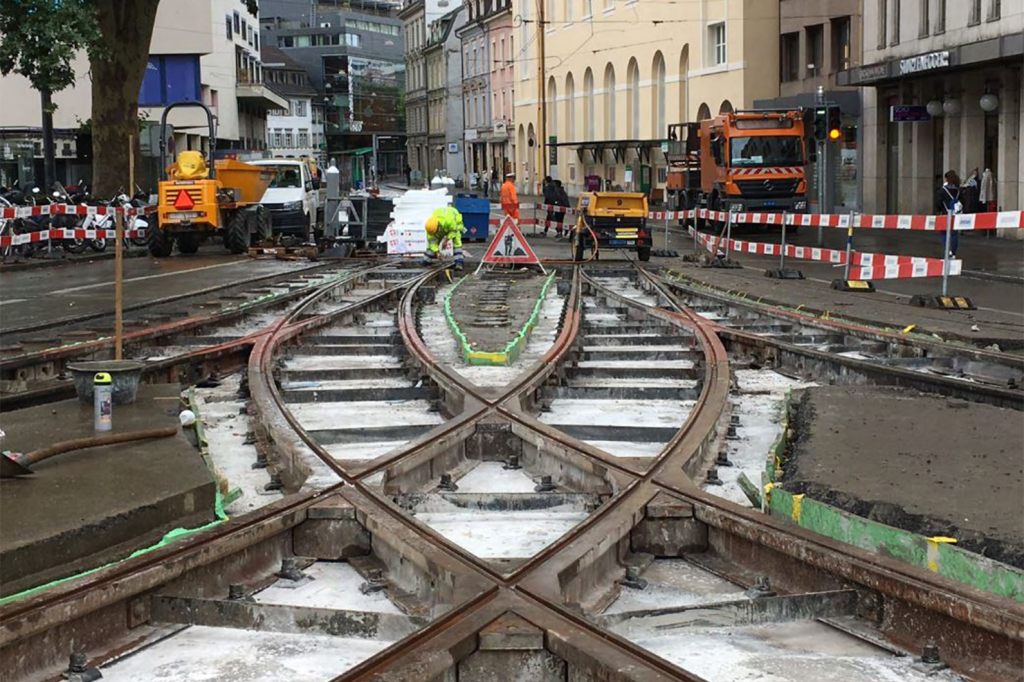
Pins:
x,y
197,201
748,160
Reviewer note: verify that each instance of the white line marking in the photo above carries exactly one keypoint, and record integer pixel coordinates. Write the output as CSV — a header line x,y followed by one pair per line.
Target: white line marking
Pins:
x,y
13,300
71,290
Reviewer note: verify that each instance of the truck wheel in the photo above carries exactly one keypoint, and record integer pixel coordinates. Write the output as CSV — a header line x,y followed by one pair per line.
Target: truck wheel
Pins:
x,y
259,224
188,243
158,242
236,236
643,253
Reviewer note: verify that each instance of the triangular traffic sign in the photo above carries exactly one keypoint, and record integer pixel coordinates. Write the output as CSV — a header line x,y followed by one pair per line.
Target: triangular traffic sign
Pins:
x,y
183,201
509,246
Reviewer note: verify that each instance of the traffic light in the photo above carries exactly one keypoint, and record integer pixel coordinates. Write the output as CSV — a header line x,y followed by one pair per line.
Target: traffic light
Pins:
x,y
834,124
820,124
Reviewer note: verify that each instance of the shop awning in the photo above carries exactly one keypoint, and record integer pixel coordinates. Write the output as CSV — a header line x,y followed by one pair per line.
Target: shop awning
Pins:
x,y
358,151
618,148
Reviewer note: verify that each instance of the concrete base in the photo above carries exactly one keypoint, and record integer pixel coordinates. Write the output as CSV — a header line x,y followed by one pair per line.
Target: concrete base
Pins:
x,y
86,508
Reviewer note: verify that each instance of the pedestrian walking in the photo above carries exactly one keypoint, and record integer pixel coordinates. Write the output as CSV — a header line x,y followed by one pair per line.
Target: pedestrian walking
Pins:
x,y
509,197
408,174
494,179
548,192
987,191
947,200
561,199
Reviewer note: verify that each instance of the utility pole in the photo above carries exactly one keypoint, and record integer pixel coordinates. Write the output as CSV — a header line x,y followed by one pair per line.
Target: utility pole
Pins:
x,y
822,164
542,167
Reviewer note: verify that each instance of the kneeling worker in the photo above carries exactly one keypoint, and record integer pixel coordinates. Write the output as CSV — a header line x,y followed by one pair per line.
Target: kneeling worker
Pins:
x,y
444,223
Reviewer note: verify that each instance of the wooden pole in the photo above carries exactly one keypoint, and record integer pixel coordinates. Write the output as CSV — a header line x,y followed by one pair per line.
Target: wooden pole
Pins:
x,y
119,259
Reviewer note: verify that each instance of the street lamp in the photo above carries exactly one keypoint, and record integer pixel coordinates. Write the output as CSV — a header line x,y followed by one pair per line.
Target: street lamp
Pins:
x,y
934,108
988,102
951,106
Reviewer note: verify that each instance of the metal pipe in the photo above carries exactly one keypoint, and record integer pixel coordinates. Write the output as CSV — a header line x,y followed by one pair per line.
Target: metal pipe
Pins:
x,y
945,254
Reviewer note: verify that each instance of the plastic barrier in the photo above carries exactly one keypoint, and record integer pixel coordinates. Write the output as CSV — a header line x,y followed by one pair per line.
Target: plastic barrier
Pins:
x,y
864,266
65,233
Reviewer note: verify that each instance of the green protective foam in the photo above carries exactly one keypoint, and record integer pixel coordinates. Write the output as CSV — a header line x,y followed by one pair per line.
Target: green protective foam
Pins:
x,y
950,561
514,347
168,538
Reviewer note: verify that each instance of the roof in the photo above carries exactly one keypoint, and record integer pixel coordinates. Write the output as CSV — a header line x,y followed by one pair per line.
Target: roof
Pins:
x,y
447,21
273,56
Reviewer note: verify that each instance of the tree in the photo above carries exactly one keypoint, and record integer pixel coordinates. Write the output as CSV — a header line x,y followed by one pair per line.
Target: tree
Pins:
x,y
39,40
118,64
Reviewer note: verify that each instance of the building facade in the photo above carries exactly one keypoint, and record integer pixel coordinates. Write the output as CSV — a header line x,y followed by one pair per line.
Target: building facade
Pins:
x,y
353,55
201,50
817,41
291,132
617,73
488,86
957,65
444,104
416,17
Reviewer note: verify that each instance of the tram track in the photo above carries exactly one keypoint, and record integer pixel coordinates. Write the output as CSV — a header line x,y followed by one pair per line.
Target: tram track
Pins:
x,y
639,516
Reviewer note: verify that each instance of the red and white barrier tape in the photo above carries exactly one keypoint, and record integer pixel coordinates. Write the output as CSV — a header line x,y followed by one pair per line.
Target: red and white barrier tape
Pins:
x,y
863,265
11,212
61,233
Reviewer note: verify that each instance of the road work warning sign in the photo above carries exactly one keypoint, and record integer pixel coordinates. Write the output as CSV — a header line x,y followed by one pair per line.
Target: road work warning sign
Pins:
x,y
509,247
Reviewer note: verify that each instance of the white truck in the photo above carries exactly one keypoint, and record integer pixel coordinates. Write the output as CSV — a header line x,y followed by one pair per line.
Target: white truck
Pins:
x,y
293,199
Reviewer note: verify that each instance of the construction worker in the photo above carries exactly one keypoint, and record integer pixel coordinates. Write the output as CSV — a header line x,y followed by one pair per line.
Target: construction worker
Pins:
x,y
444,223
509,197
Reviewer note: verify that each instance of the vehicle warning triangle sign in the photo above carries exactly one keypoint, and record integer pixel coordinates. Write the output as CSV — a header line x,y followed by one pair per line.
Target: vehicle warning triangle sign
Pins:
x,y
509,246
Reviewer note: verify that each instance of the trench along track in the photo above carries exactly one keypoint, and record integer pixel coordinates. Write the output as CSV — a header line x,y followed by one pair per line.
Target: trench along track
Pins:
x,y
531,587
187,335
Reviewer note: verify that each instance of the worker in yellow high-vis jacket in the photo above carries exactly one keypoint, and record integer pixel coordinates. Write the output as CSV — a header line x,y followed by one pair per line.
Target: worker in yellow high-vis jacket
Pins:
x,y
444,223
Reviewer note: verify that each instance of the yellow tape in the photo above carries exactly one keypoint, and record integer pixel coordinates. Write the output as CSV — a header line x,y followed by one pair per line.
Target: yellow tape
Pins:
x,y
798,507
825,315
909,328
933,550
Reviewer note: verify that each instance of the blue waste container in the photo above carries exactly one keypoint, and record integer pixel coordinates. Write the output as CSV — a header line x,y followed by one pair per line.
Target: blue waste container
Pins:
x,y
476,214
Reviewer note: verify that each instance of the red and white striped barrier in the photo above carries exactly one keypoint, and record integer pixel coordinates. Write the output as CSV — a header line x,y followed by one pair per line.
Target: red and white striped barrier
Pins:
x,y
965,221
11,212
863,265
62,233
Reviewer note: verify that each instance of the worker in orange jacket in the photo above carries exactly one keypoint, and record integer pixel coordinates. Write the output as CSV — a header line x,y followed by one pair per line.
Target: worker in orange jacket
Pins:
x,y
509,197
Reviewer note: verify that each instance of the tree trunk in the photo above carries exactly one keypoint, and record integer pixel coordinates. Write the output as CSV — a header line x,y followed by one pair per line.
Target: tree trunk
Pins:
x,y
49,163
126,27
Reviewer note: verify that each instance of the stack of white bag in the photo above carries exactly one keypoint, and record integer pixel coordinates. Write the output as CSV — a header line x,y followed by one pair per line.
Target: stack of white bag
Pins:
x,y
405,234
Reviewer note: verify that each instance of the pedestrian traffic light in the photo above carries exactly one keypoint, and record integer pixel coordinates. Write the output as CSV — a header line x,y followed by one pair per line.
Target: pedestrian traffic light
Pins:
x,y
834,124
820,124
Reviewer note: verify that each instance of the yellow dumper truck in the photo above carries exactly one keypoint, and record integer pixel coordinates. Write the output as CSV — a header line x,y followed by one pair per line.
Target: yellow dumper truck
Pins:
x,y
618,220
197,201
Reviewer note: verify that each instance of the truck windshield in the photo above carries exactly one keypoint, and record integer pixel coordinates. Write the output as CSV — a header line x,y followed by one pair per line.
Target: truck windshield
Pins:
x,y
766,150
285,176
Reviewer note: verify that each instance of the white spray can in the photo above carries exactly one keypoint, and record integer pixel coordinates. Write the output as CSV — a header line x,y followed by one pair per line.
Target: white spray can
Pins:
x,y
103,402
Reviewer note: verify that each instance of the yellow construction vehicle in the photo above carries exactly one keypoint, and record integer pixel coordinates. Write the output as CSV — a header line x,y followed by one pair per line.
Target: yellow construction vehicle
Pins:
x,y
197,200
617,219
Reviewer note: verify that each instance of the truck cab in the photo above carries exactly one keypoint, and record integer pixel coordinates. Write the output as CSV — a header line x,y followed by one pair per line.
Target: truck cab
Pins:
x,y
754,161
292,198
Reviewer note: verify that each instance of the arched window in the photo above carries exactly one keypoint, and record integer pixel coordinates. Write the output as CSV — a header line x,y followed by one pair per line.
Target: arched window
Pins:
x,y
588,104
658,96
703,112
609,102
570,109
633,100
726,107
552,108
684,69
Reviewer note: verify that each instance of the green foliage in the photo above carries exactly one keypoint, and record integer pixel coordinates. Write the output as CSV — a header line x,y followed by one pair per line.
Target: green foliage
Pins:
x,y
39,39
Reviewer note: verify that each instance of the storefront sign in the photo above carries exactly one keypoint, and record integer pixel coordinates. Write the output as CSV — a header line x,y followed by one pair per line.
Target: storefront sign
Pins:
x,y
924,62
908,113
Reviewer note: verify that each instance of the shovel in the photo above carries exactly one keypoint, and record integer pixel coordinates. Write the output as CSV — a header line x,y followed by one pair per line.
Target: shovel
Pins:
x,y
14,464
